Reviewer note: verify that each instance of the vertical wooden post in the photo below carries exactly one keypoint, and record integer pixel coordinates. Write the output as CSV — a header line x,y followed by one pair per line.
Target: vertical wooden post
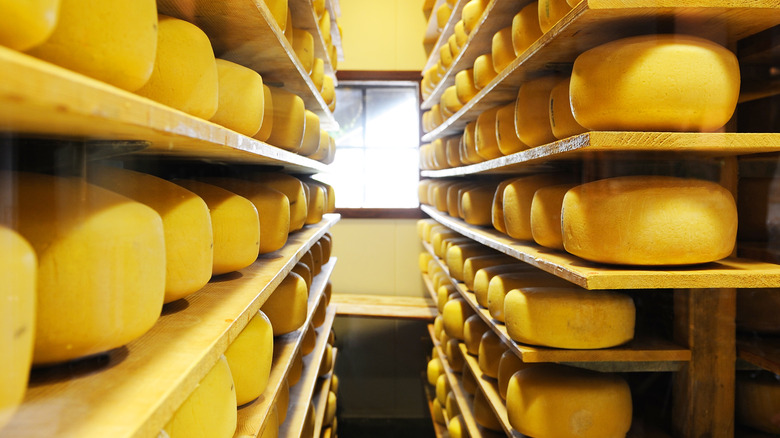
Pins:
x,y
703,404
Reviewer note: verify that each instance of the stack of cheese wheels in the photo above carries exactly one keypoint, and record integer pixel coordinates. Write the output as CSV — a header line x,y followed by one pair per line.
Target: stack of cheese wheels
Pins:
x,y
455,313
241,98
99,253
758,401
555,400
287,306
210,410
457,255
517,197
665,82
27,24
649,220
757,310
501,284
250,357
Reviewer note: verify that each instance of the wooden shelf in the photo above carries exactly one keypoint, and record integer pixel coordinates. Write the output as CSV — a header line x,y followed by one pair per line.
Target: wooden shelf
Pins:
x,y
320,399
44,100
301,394
305,18
384,306
252,416
764,353
133,391
623,144
245,32
594,22
727,273
446,32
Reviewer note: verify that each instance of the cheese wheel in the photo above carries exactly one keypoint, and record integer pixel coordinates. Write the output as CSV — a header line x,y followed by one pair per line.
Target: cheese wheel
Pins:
x,y
453,197
296,369
465,89
288,28
334,383
438,413
271,426
546,215
473,264
283,400
562,120
757,310
473,329
452,408
497,209
289,120
303,46
551,12
484,73
241,97
113,42
452,151
316,252
461,36
268,115
319,7
472,12
326,365
457,255
309,340
490,350
438,326
189,237
434,370
445,56
532,120
311,134
330,408
292,188
525,28
450,101
436,117
18,271
453,241
569,317
453,43
508,365
442,389
317,73
655,83
422,261
440,195
308,424
506,135
454,356
484,415
210,410
288,304
566,402
328,292
483,277
316,204
439,154
456,427
468,146
501,284
455,313
485,135
518,197
279,11
272,206
185,71
326,242
502,50
758,401
324,23
477,203
469,381
443,13
318,317
424,225
27,24
649,220
250,357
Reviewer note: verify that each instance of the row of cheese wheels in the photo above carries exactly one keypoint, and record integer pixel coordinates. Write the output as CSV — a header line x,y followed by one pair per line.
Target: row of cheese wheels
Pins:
x,y
666,82
325,24
171,61
627,220
280,10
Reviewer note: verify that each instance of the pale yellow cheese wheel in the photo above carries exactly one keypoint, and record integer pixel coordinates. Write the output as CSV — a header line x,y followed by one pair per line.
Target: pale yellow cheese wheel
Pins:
x,y
328,90
114,42
27,24
551,12
330,408
450,101
279,11
312,134
438,326
304,271
289,120
508,365
490,350
316,203
334,384
318,73
469,381
424,225
502,50
453,197
326,242
454,356
439,197
484,415
442,389
497,209
316,253
477,203
501,284
318,317
458,254
655,83
326,365
569,317
546,215
272,206
525,28
453,43
506,134
189,238
465,89
438,413
422,261
455,313
472,12
452,151
485,275
438,236
445,56
439,154
452,408
309,340
303,46
98,253
456,427
518,196
241,97
250,357
484,72
185,71
324,23
468,146
566,402
486,142
461,36
562,120
758,401
532,120
18,272
210,410
292,188
443,13
288,305
757,310
434,370
451,241
474,264
283,400
649,220
268,115
473,329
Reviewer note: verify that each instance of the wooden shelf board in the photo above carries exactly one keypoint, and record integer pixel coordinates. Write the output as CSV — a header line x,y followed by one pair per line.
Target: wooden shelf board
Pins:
x,y
133,391
594,22
44,100
320,399
727,273
624,144
301,394
252,416
446,32
644,355
305,18
245,32
764,353
384,306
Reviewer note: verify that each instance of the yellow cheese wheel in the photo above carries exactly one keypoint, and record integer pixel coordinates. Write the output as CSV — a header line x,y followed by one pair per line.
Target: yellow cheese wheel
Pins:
x,y
424,225
279,11
562,120
316,253
508,365
309,340
438,413
27,24
268,118
445,56
471,14
296,369
501,284
439,154
566,402
518,196
477,203
453,43
450,101
497,209
241,97
316,204
442,389
443,13
303,46
328,292
210,410
472,265
189,236
655,83
469,381
324,23
484,415
455,313
468,146
438,326
484,72
234,223
440,195
272,206
326,242
502,50
456,427
461,36
532,120
114,42
311,134
485,139
506,134
318,317
330,407
289,120
319,7
452,151
465,89
436,118
569,317
453,197
185,71
326,365
271,426
649,220
18,271
483,277
546,215
328,90
317,73
458,254
454,356
758,401
288,305
551,12
525,28
757,310
452,408
490,350
250,357
423,259
304,271
434,370
473,329
283,401
292,188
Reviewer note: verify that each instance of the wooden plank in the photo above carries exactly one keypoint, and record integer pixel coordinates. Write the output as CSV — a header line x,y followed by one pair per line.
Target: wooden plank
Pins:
x,y
384,306
762,352
305,18
703,391
594,22
301,394
729,272
245,32
44,100
252,416
133,391
320,399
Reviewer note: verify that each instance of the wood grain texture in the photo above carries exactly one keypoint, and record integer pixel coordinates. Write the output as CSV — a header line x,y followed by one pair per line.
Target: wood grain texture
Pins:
x,y
305,18
384,306
133,391
762,352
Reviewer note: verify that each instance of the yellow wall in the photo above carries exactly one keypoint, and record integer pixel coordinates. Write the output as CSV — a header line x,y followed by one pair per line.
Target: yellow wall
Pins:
x,y
382,34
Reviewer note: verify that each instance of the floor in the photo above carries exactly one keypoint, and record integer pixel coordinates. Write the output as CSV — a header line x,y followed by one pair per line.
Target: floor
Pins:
x,y
385,428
